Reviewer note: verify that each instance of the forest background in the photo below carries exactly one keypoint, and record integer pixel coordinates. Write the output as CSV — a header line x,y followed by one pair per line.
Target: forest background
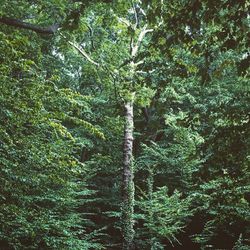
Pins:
x,y
124,124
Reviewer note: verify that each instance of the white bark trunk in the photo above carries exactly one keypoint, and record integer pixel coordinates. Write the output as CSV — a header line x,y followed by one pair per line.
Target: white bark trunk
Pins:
x,y
128,183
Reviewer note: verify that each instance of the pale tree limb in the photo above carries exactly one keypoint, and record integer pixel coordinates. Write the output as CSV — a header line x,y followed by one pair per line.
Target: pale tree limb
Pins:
x,y
145,72
139,41
134,48
131,45
136,15
142,11
83,53
139,63
124,21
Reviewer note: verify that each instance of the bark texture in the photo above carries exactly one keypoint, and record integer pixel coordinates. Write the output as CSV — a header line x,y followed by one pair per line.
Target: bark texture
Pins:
x,y
128,183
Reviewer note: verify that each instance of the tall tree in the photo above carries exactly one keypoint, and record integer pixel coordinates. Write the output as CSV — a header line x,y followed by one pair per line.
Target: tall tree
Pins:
x,y
126,72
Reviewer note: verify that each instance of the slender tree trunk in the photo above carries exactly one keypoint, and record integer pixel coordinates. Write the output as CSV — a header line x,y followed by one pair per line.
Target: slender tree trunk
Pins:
x,y
150,196
128,183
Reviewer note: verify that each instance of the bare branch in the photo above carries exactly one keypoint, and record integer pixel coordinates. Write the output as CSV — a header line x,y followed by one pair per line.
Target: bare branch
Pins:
x,y
145,72
139,63
82,52
131,45
140,38
124,21
136,15
142,11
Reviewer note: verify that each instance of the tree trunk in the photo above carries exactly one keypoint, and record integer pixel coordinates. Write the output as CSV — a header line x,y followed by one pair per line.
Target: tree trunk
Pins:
x,y
150,196
128,183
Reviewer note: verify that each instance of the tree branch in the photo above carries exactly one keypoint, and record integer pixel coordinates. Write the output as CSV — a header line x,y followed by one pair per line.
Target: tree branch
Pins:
x,y
140,38
91,37
124,21
134,48
136,15
82,52
50,30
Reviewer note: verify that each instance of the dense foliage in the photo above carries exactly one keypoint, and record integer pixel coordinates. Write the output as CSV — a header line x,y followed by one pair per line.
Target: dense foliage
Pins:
x,y
67,69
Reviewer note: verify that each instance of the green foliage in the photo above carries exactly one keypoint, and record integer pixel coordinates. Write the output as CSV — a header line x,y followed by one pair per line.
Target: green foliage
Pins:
x,y
163,215
61,125
224,201
144,96
39,173
42,181
239,244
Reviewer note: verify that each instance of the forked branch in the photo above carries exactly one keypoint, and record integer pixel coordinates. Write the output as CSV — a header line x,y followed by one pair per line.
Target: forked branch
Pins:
x,y
141,36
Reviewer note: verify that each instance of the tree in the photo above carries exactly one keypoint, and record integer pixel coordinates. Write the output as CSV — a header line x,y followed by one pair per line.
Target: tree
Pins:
x,y
128,99
128,93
